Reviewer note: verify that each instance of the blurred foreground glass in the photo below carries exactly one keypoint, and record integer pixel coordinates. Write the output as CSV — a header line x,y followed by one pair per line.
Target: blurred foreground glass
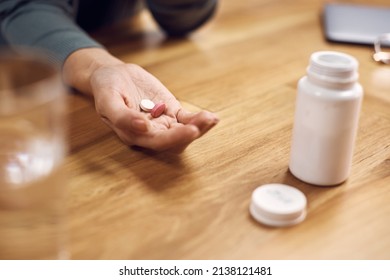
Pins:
x,y
32,150
382,48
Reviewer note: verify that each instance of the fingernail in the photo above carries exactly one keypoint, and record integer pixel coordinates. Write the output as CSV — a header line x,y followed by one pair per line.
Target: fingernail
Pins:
x,y
139,124
213,117
216,119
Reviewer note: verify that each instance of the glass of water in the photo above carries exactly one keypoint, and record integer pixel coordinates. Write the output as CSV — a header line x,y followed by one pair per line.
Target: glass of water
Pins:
x,y
32,150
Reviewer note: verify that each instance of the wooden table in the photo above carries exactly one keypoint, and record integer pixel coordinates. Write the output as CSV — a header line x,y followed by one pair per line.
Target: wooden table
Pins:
x,y
244,65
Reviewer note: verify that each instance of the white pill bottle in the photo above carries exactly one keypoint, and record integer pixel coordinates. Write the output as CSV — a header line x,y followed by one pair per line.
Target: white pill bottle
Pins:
x,y
326,119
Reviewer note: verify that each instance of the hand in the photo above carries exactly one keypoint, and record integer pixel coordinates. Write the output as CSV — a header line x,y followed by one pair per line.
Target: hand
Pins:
x,y
118,88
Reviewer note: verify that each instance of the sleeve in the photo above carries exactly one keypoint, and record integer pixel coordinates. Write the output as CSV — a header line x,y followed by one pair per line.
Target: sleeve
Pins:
x,y
179,17
47,25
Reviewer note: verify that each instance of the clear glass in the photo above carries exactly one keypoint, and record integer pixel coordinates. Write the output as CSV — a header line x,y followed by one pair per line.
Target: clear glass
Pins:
x,y
382,48
32,150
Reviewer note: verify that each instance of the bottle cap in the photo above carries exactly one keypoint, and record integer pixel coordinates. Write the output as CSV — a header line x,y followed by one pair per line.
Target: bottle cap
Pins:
x,y
278,205
333,67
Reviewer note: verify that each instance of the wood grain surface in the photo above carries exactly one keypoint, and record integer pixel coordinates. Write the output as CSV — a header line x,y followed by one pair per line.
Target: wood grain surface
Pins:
x,y
126,203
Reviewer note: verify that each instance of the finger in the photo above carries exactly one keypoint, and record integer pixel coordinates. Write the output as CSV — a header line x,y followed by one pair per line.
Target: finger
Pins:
x,y
175,138
120,117
204,120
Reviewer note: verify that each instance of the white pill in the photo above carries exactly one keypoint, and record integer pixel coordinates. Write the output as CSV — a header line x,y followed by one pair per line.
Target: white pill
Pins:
x,y
278,205
147,105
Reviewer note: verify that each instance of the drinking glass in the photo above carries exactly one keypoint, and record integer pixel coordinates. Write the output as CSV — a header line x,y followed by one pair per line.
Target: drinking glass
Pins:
x,y
32,150
382,48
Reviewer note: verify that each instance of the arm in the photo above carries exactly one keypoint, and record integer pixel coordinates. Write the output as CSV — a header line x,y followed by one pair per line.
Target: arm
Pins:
x,y
46,24
118,88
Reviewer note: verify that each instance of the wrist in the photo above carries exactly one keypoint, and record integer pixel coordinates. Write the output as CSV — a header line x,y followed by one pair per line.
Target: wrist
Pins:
x,y
79,67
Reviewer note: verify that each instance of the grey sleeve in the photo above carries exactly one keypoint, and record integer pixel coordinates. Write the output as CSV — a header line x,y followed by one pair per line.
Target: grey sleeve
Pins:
x,y
47,25
179,17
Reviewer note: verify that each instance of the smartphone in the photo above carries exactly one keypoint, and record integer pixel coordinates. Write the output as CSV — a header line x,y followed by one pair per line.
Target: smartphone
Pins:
x,y
356,24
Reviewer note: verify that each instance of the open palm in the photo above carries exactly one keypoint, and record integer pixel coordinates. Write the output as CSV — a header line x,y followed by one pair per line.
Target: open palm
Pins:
x,y
118,90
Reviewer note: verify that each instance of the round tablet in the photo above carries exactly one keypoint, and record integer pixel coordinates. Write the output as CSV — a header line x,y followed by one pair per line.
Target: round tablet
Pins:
x,y
278,205
158,110
146,105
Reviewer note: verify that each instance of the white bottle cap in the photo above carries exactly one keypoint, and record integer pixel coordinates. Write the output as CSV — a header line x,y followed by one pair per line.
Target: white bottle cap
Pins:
x,y
278,205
